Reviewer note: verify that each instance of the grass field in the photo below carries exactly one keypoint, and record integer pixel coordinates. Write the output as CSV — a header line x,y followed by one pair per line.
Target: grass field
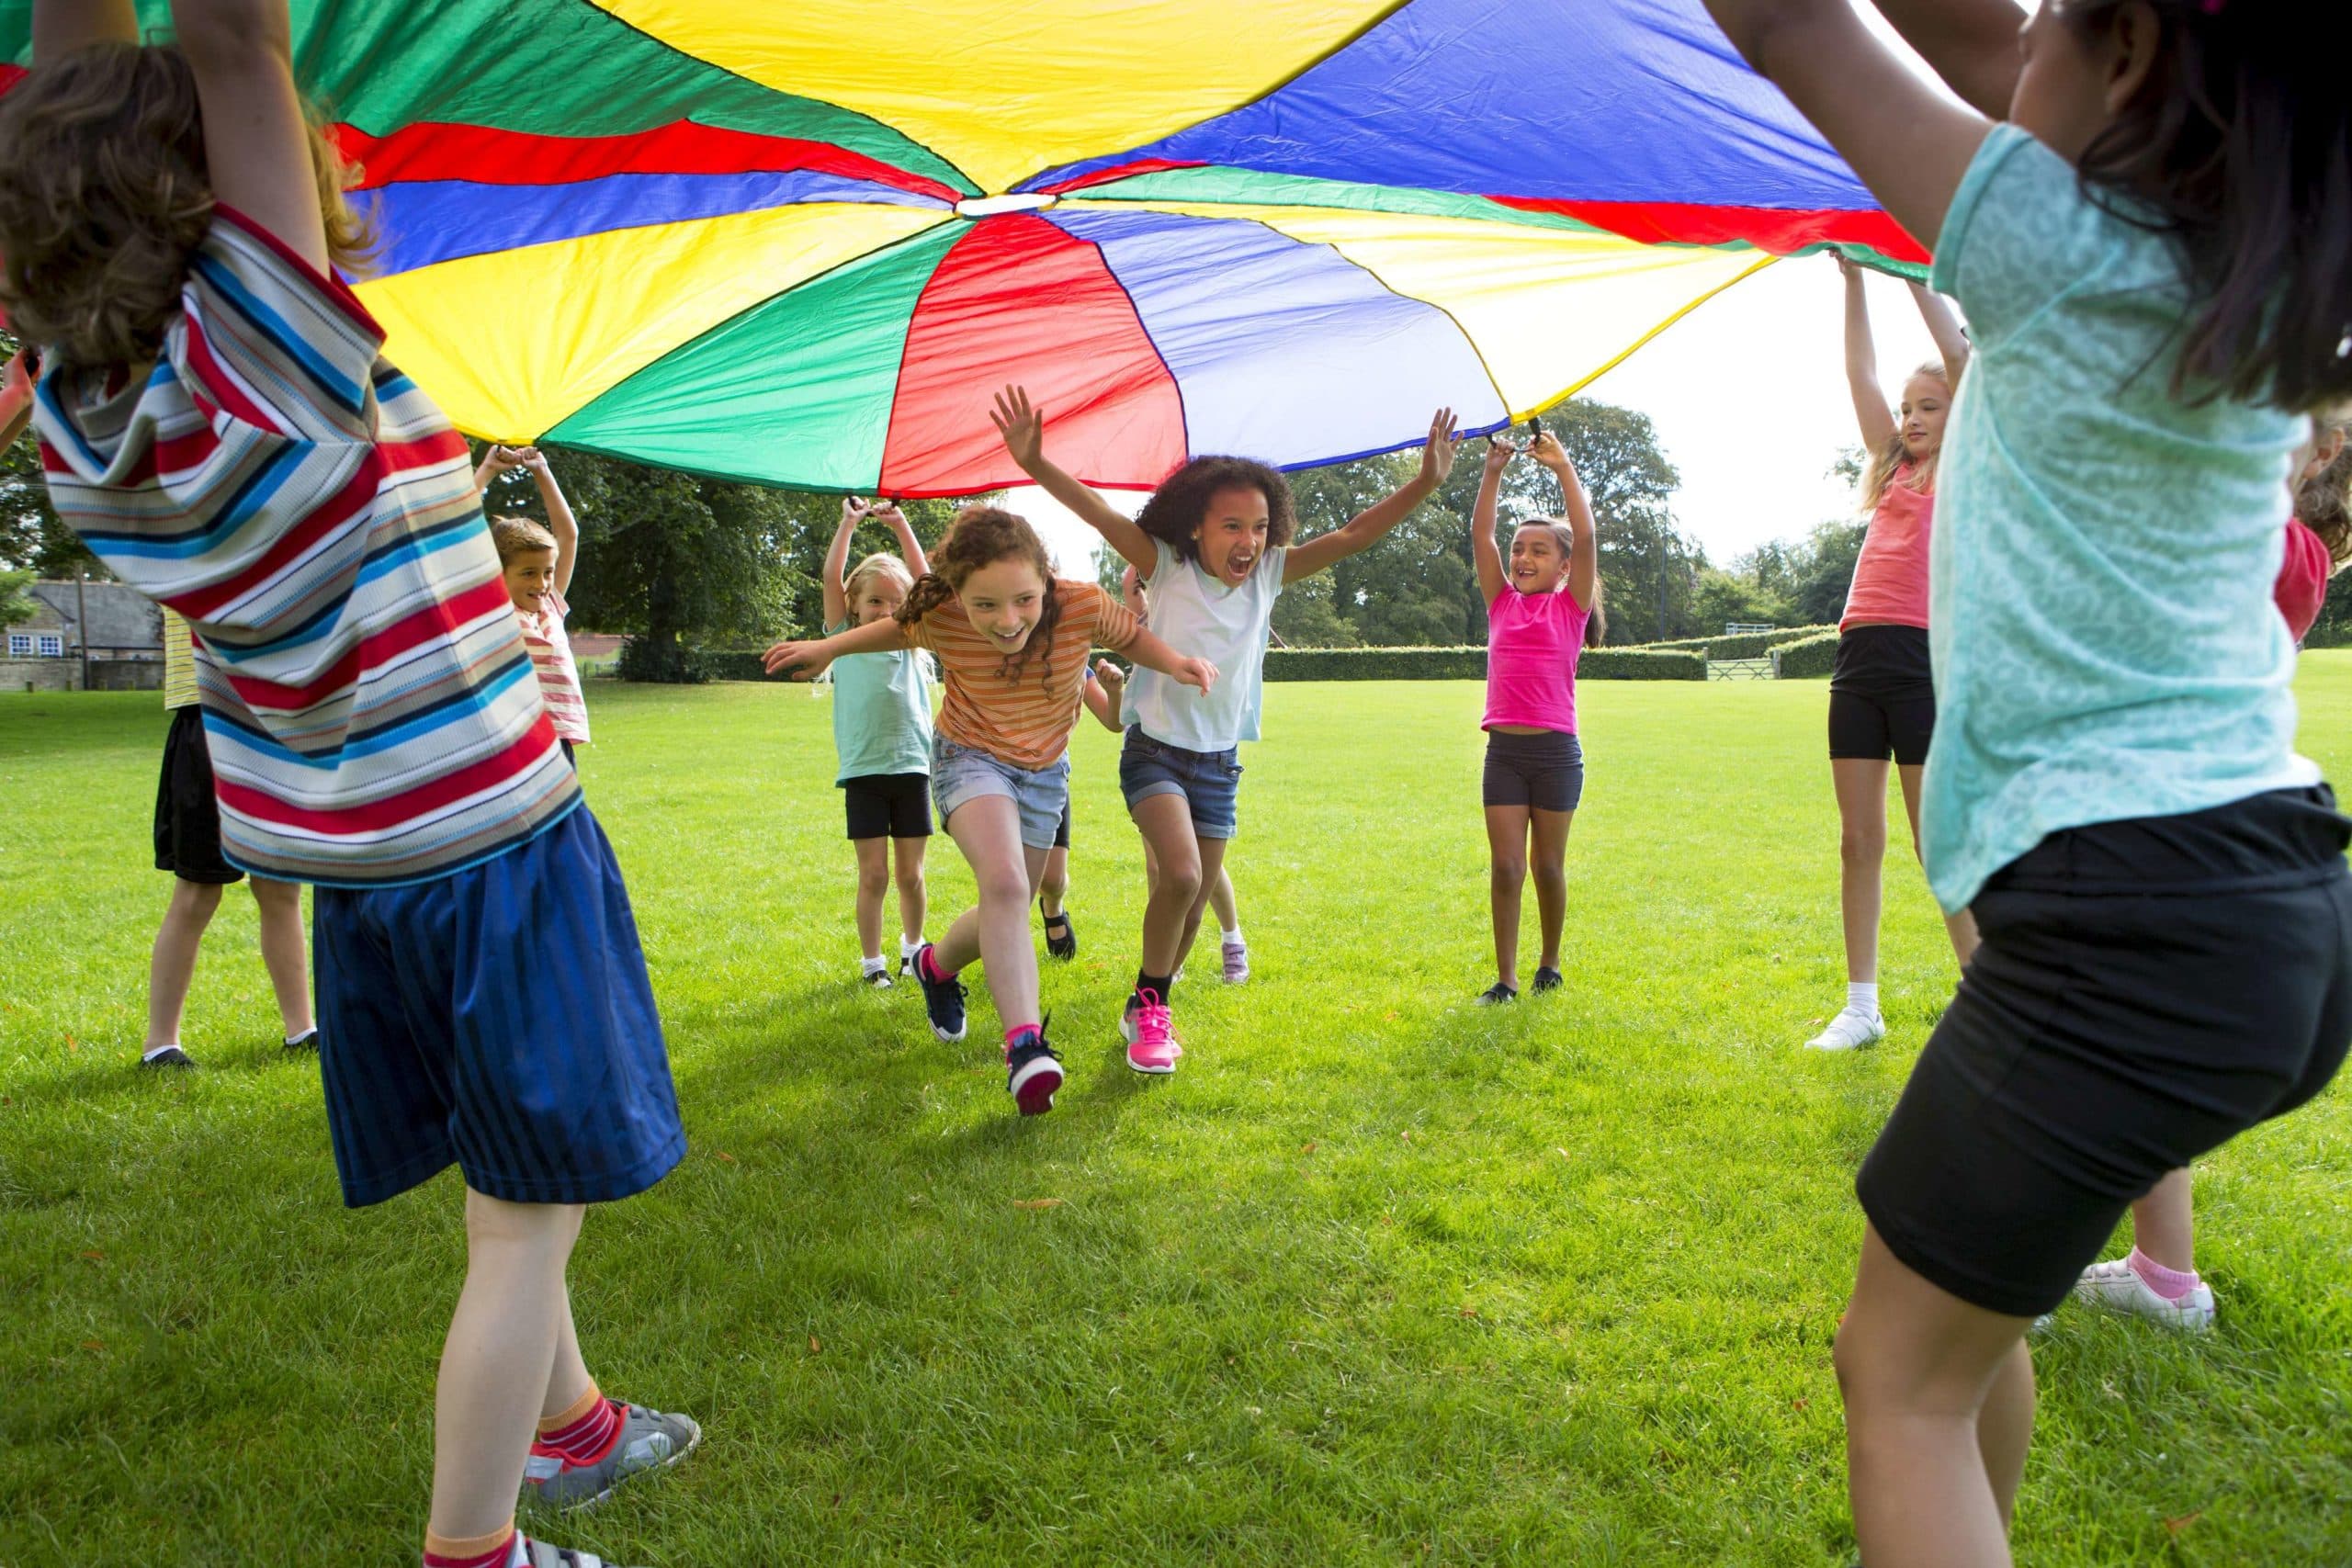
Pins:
x,y
1379,1277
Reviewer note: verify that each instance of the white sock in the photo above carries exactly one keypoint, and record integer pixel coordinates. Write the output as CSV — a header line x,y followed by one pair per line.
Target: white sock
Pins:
x,y
908,946
152,1052
1861,997
874,965
306,1035
1233,936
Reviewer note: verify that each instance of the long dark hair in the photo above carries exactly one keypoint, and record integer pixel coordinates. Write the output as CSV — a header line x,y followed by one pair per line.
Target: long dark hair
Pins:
x,y
1177,508
981,537
2239,146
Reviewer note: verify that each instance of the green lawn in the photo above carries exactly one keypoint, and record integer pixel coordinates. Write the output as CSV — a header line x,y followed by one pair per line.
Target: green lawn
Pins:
x,y
1377,1277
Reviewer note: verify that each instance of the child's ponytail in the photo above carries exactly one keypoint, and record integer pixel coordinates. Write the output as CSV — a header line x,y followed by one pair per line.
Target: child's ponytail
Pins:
x,y
1596,624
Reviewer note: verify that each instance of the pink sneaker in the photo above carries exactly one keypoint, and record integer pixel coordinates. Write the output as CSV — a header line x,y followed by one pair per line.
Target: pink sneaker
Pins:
x,y
1237,963
1154,1049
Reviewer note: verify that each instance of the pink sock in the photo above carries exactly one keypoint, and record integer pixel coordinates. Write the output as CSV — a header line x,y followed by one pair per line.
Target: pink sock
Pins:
x,y
2170,1284
1017,1031
929,965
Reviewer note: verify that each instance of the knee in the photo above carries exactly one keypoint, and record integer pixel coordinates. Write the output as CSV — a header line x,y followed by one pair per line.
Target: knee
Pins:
x,y
1551,873
194,900
1181,881
1861,847
872,882
277,898
1052,883
1003,886
1510,871
910,882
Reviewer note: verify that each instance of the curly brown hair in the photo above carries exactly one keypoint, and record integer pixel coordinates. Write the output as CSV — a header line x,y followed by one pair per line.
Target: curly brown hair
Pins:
x,y
981,537
1177,509
105,195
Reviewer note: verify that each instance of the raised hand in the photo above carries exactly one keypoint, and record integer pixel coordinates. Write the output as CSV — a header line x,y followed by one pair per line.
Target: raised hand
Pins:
x,y
806,661
1197,672
1114,679
887,513
531,458
502,458
1021,426
1548,451
1437,452
854,509
1500,450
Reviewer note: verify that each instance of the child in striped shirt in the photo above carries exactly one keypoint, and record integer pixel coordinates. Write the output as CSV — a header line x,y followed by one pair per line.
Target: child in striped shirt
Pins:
x,y
219,426
536,559
1013,641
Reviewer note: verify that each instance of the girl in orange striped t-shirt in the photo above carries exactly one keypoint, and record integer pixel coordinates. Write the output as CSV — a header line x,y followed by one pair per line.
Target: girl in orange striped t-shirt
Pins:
x,y
1013,641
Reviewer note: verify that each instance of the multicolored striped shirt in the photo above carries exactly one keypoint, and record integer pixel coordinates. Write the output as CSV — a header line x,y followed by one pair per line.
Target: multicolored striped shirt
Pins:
x,y
1022,716
370,708
551,648
179,663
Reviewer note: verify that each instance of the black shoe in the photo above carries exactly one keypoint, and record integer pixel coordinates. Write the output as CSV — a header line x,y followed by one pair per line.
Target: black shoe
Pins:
x,y
1548,980
169,1056
1064,946
943,1000
1497,993
306,1042
879,979
1032,1073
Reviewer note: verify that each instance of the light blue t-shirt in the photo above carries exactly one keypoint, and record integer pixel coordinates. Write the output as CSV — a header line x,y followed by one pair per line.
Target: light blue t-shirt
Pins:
x,y
881,712
2104,638
1197,614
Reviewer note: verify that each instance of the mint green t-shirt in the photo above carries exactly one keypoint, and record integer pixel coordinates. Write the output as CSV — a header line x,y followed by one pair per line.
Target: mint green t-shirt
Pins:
x,y
881,712
2099,580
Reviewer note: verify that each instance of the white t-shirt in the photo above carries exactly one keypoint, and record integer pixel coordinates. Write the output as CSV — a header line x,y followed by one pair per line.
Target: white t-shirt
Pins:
x,y
1197,614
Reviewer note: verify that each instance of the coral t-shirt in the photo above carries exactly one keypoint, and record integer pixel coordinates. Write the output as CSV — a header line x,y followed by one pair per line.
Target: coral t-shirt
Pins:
x,y
1890,587
2301,588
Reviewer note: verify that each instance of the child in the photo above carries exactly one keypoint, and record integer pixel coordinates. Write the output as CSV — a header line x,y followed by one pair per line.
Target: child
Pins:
x,y
537,562
1012,643
1212,545
1882,689
1104,684
881,736
2158,879
188,844
2158,1280
218,424
1540,614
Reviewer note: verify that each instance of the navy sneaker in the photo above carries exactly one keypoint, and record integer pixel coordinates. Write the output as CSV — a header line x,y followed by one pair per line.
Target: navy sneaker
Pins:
x,y
1496,995
943,1000
1033,1072
1548,980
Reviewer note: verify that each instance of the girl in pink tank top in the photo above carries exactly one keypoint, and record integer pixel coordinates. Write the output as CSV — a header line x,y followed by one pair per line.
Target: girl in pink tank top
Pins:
x,y
1882,692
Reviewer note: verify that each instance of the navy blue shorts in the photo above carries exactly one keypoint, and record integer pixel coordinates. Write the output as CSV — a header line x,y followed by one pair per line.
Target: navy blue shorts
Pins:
x,y
1210,782
500,1018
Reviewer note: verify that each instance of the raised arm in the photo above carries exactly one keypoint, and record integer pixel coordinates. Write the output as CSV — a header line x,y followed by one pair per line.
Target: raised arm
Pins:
x,y
61,26
1951,342
256,141
1366,527
836,566
1024,429
1910,145
494,462
807,659
1972,44
908,547
1482,548
561,522
1584,561
1872,415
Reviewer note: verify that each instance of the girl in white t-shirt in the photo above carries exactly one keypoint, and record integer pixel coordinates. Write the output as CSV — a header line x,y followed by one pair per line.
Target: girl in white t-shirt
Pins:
x,y
1213,546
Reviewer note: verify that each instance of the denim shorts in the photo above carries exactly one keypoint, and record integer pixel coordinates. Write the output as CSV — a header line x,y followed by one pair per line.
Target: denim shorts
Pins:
x,y
1210,782
959,774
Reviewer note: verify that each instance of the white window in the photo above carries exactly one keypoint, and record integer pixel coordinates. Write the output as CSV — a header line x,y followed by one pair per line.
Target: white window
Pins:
x,y
52,646
20,645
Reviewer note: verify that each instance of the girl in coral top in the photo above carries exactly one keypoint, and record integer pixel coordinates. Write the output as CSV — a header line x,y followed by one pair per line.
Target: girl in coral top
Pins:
x,y
1882,689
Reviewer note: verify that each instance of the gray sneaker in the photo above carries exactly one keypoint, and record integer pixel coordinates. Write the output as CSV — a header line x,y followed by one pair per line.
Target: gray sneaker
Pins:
x,y
649,1441
539,1554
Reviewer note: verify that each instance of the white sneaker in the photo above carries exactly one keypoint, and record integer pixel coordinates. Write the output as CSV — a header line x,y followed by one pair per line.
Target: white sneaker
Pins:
x,y
2117,1286
1849,1030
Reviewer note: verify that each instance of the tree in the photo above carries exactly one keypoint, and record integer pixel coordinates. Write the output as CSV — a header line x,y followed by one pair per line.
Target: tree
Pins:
x,y
15,604
32,538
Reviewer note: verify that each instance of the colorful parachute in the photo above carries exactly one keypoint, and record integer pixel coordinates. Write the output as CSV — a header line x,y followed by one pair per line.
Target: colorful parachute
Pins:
x,y
801,242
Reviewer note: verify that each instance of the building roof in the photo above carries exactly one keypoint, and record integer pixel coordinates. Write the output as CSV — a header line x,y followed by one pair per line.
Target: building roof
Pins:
x,y
120,616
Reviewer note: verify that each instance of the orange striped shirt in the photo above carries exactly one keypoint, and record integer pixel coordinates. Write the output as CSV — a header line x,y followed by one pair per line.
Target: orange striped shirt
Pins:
x,y
1022,716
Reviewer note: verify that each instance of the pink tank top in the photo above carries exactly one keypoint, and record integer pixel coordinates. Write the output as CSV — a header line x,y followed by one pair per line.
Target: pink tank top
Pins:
x,y
1532,640
1890,584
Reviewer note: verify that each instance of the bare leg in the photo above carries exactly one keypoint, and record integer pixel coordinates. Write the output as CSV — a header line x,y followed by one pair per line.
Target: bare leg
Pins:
x,y
1053,882
1861,785
2163,1224
1228,913
1547,863
873,881
1961,926
498,1364
995,932
1507,876
173,968
1212,873
569,1379
914,897
1938,1412
1165,823
282,952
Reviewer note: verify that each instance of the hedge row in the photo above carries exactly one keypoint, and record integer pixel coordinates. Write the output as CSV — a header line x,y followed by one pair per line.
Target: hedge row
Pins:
x,y
1343,664
1747,645
1809,660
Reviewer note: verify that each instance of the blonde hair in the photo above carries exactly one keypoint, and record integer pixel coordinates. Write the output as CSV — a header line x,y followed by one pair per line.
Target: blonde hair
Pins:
x,y
881,563
105,195
2323,502
1888,461
518,536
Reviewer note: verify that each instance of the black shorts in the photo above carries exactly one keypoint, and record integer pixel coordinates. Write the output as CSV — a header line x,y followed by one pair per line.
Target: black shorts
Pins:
x,y
1883,695
1061,833
888,806
1543,772
2146,991
187,814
